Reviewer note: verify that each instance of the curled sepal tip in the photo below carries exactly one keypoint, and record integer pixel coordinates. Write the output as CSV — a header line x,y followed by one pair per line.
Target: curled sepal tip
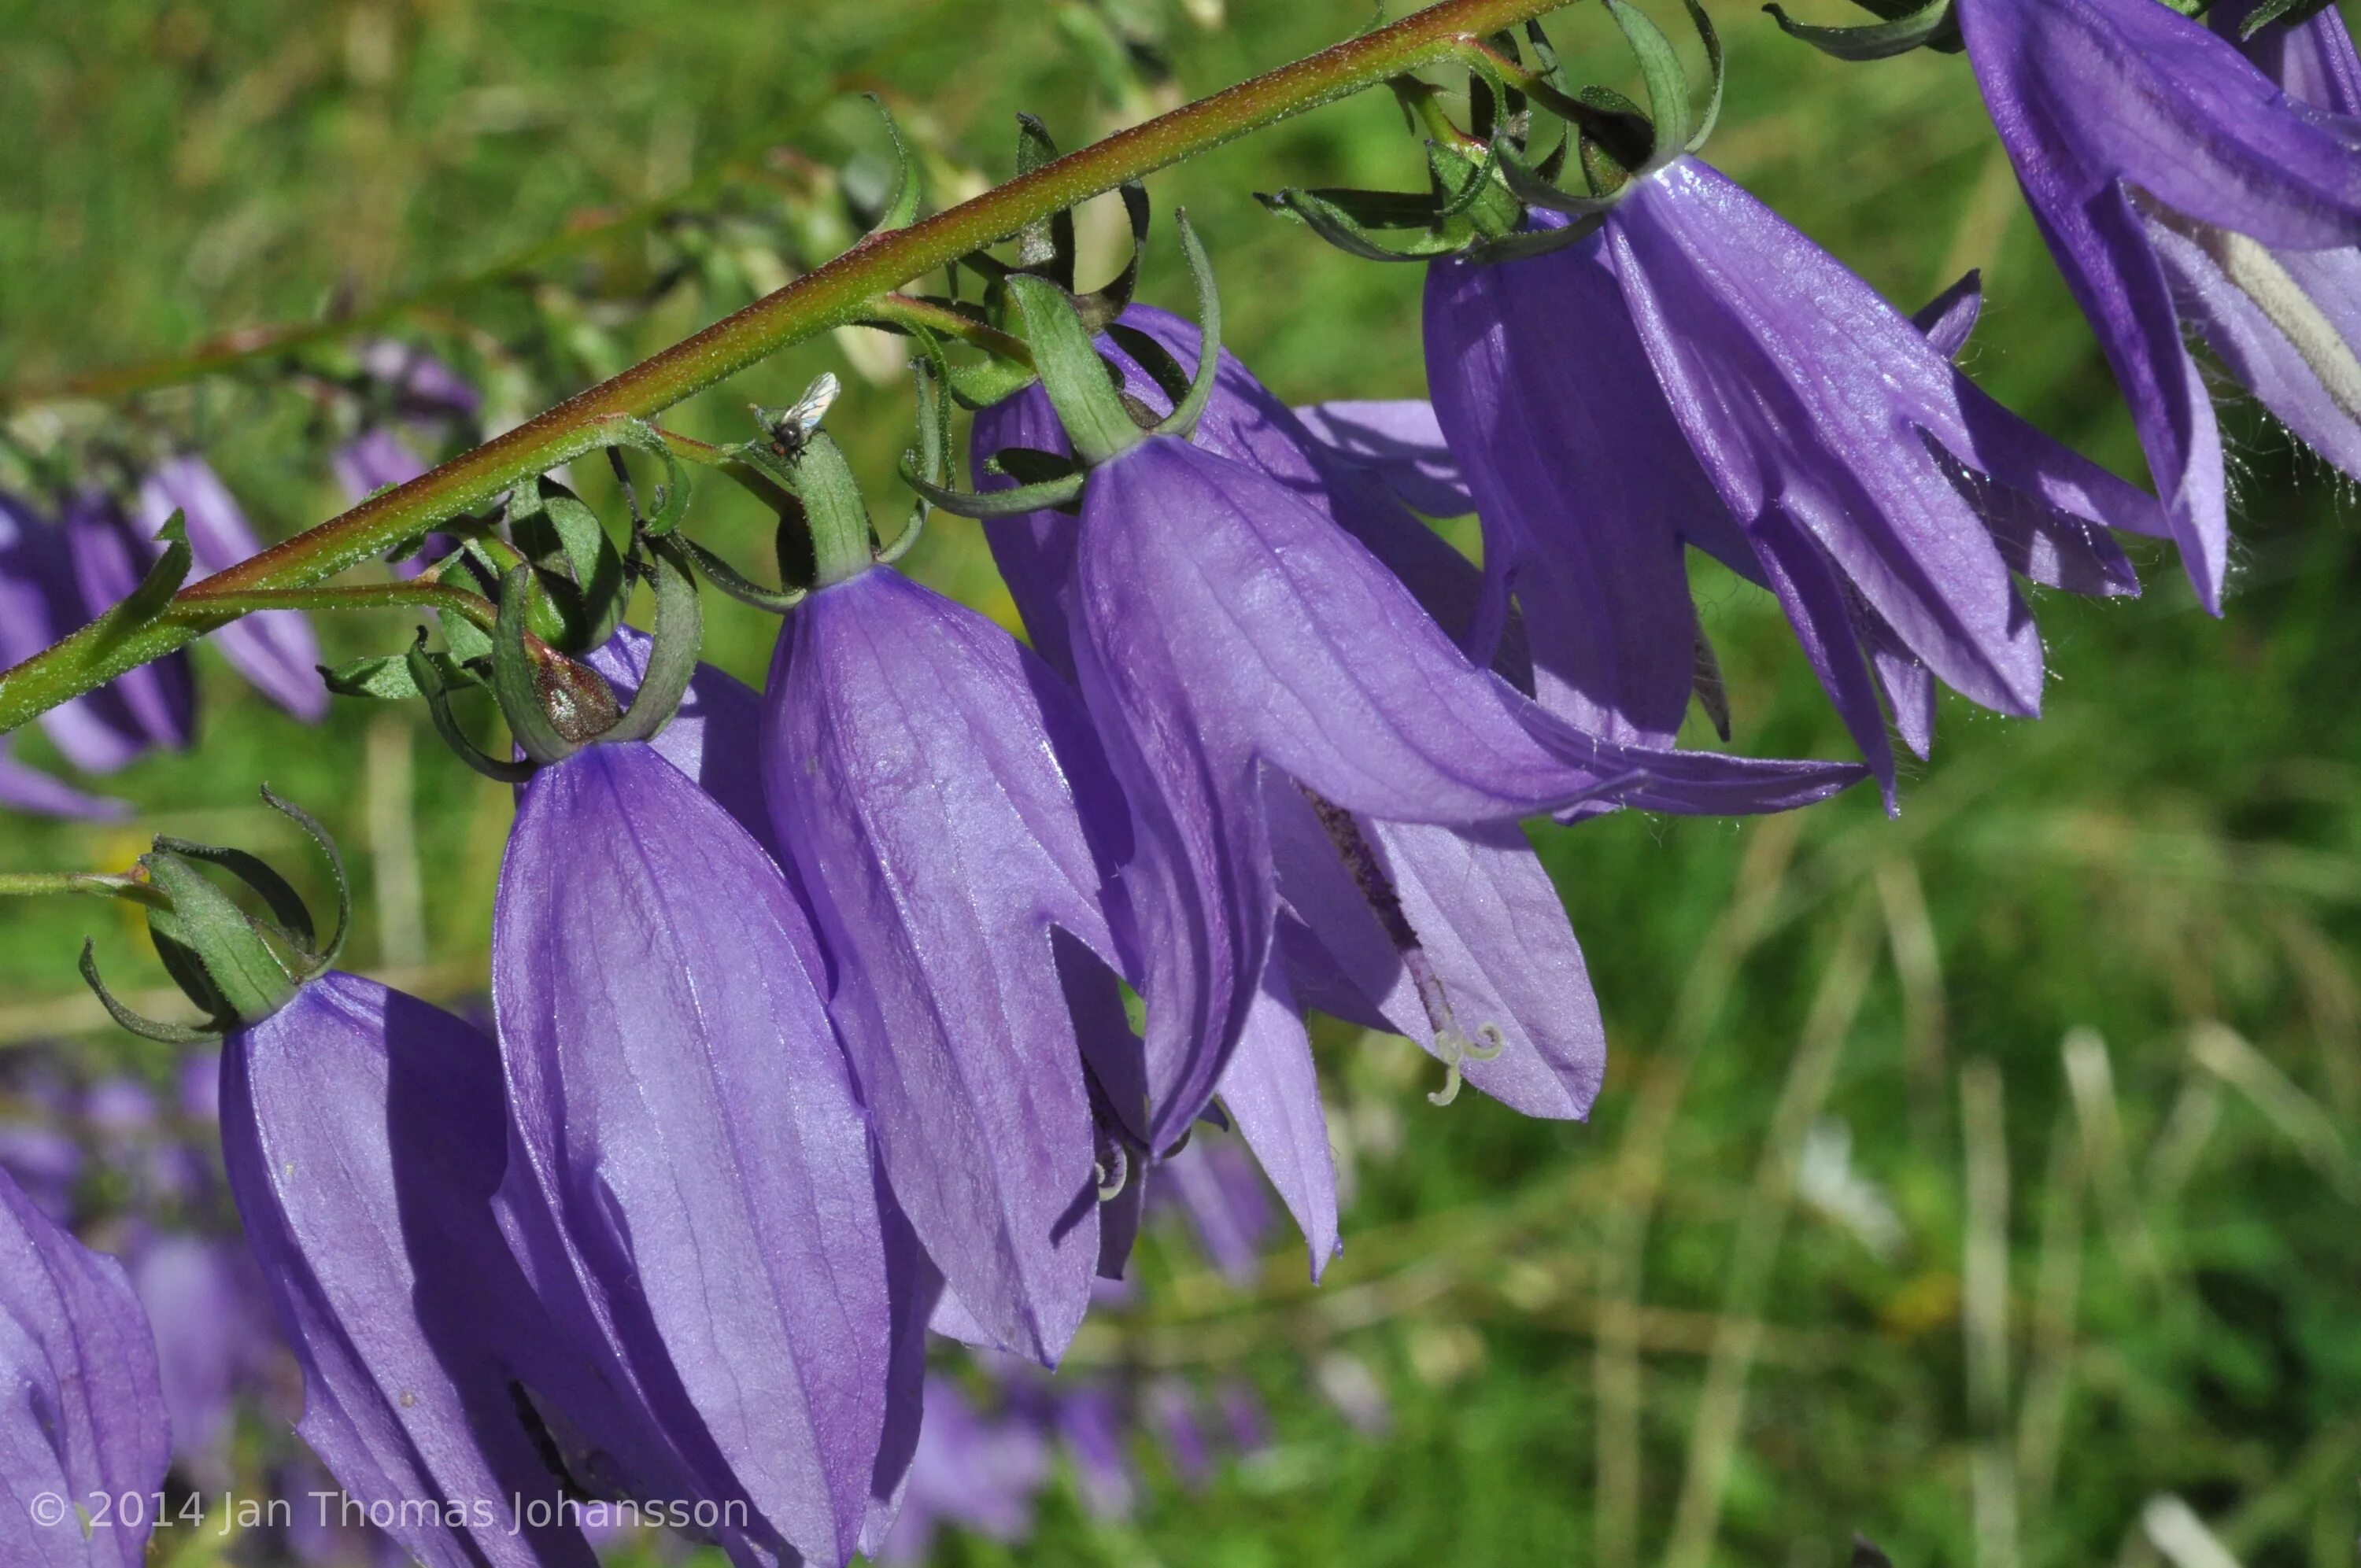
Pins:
x,y
1190,408
672,651
138,1022
902,207
428,679
737,586
1904,26
1667,85
1048,495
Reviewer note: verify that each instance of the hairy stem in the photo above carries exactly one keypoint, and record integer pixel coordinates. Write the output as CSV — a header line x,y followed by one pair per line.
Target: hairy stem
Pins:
x,y
847,289
91,884
217,610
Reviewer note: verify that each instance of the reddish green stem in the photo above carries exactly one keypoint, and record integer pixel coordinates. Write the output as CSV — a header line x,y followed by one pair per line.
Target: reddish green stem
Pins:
x,y
844,290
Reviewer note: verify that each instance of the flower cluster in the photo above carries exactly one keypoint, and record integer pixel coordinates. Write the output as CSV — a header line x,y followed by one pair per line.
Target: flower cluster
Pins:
x,y
877,1003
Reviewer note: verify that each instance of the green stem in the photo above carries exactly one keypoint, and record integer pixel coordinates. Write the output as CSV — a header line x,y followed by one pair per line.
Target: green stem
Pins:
x,y
93,884
218,609
845,291
901,310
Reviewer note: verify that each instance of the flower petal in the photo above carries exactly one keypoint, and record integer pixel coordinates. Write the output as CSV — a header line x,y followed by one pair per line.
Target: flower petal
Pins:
x,y
364,1137
1272,1095
85,1410
932,781
1400,443
691,1176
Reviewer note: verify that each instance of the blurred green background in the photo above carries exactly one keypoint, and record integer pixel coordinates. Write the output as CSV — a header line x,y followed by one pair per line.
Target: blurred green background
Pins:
x,y
1984,1182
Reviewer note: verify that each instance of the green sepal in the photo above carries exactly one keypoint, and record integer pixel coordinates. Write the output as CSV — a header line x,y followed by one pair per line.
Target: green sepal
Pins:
x,y
1920,24
249,981
329,952
1527,185
1535,242
429,681
1103,305
1668,85
2294,13
286,905
1153,358
836,516
1054,495
746,590
140,1024
553,705
932,456
156,589
1182,420
673,647
1045,246
1332,223
385,677
1071,372
902,207
1928,25
1031,466
584,588
1720,69
669,508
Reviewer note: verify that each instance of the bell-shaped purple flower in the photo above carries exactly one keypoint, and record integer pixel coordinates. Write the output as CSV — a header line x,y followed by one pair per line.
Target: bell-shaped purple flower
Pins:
x,y
82,1412
365,1139
1701,373
691,1184
1226,629
54,577
947,806
274,650
2175,180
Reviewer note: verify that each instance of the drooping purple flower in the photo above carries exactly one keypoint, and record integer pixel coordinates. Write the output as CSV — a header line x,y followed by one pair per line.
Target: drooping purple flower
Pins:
x,y
691,1184
1225,628
1089,1421
420,383
195,1291
365,1140
1170,1408
108,558
945,803
81,1410
977,1472
2175,180
374,460
1699,373
714,737
275,650
1214,1185
40,602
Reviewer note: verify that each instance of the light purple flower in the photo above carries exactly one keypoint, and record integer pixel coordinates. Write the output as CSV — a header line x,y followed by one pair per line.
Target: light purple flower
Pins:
x,y
364,1137
691,1185
1089,1421
39,603
158,699
976,1471
1169,1406
2175,180
275,650
420,383
82,1412
1699,373
946,804
196,1292
1214,1186
1227,628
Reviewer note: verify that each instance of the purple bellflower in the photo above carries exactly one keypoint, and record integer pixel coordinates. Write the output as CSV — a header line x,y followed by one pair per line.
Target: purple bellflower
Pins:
x,y
947,806
417,399
54,577
2175,180
274,650
691,1181
365,1139
978,1472
81,1407
1232,629
1698,372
